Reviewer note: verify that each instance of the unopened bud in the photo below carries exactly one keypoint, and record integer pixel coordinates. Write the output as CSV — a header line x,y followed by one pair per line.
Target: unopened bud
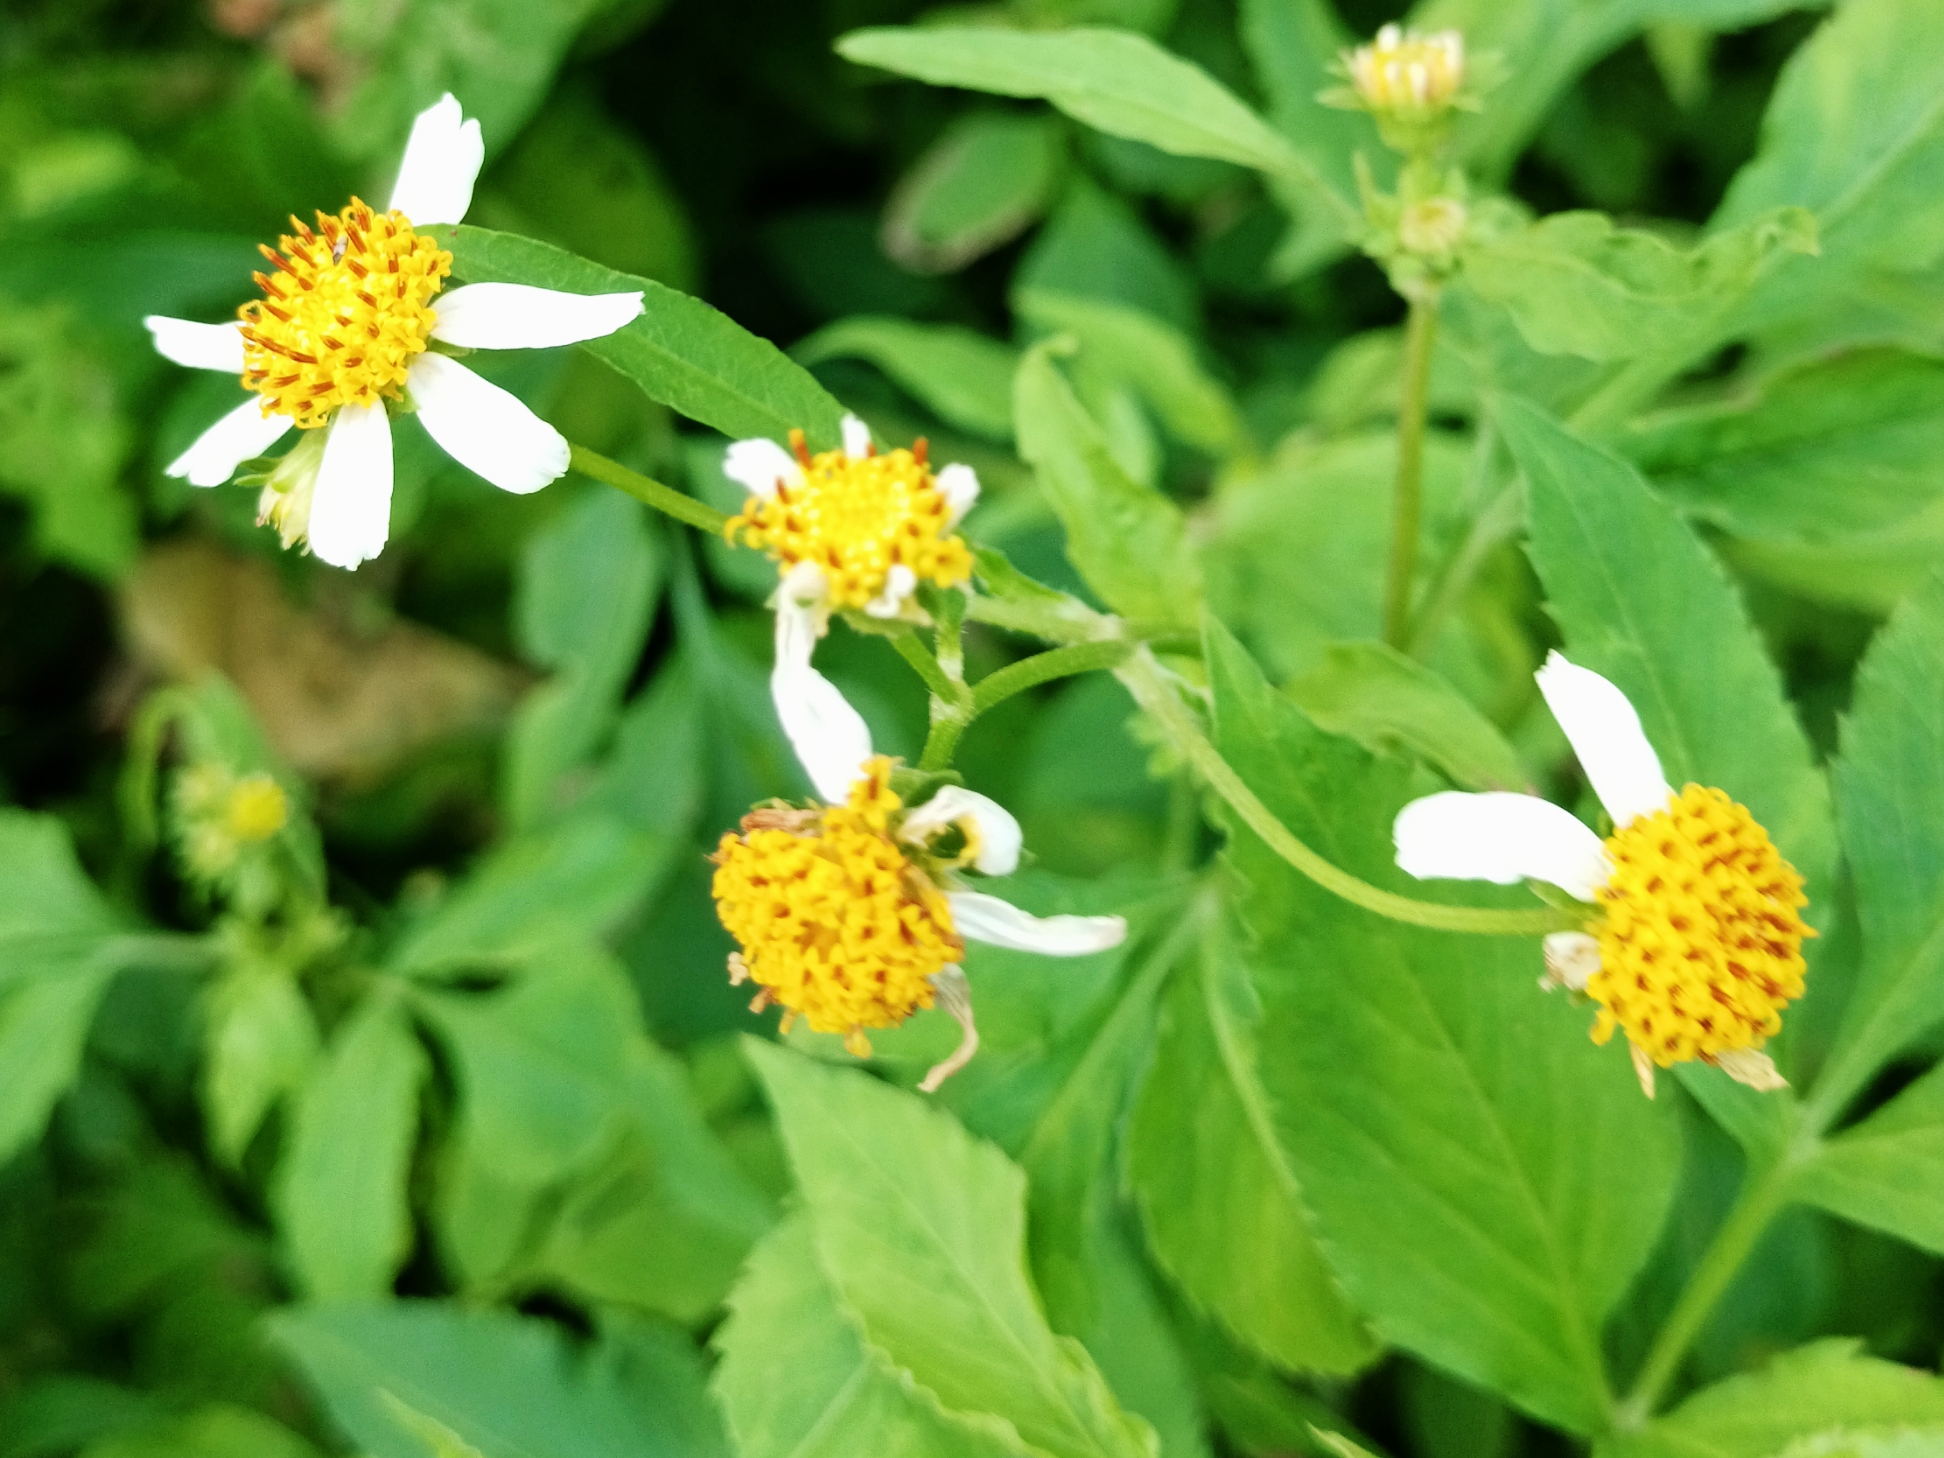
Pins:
x,y
1408,74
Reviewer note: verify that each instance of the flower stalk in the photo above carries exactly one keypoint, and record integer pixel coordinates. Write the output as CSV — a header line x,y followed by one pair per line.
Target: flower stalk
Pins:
x,y
1407,501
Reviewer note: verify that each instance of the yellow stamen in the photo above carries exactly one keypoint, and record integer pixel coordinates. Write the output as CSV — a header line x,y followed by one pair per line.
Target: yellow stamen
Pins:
x,y
834,921
256,809
1701,946
857,519
1406,71
344,315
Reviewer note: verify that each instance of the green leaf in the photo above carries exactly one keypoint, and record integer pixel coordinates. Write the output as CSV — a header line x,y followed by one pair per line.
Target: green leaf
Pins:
x,y
1888,1171
1391,704
43,1029
1421,1086
982,183
960,375
1223,1212
1127,540
259,1044
1829,1388
681,351
509,1386
1576,284
216,1431
921,1231
341,1190
834,1396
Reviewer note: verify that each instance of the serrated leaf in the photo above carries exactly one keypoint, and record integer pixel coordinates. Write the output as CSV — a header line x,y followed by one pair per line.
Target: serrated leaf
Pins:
x,y
1888,1171
962,376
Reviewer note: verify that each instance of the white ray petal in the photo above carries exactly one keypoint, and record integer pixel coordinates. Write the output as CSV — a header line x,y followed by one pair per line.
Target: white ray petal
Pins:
x,y
199,346
857,438
830,737
998,923
1605,733
899,583
520,316
959,485
1757,1070
245,432
758,465
484,428
442,161
351,510
999,837
1571,960
1499,837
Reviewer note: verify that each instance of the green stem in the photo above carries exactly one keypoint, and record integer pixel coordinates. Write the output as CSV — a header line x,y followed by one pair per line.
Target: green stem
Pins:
x,y
942,742
920,657
1151,690
666,499
996,688
1420,332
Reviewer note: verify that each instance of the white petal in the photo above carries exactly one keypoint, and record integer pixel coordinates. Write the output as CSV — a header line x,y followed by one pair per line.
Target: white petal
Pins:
x,y
954,997
519,316
998,833
830,737
245,432
1757,1070
899,583
1571,960
1001,924
857,438
351,512
758,465
1499,837
484,428
442,161
1605,733
199,346
959,485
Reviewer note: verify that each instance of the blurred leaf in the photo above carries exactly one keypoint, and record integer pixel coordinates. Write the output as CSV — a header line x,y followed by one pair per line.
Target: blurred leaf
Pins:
x,y
1888,1171
260,1043
921,1230
212,1432
340,1196
960,375
987,178
1420,1111
55,1414
680,352
509,1386
1128,541
1096,245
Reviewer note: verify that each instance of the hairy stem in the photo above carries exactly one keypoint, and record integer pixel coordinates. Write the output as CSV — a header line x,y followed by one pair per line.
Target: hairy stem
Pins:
x,y
1407,502
1041,668
920,658
666,499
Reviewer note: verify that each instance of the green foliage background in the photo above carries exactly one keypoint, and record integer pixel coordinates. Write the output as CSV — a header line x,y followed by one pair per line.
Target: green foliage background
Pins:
x,y
442,1132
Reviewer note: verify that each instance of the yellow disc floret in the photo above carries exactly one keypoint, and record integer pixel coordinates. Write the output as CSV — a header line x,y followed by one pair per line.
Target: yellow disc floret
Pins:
x,y
256,809
1701,945
857,519
835,921
343,316
1403,71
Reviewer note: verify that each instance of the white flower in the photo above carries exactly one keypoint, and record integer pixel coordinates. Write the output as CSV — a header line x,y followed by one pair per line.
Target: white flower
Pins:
x,y
333,344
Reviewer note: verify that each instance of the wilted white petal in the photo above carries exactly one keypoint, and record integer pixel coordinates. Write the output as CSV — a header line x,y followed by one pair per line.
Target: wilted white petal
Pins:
x,y
758,465
1643,1065
959,485
245,432
995,831
857,438
1757,1070
520,316
1498,837
954,996
351,510
483,427
1605,733
899,583
442,161
998,923
830,737
1571,960
199,346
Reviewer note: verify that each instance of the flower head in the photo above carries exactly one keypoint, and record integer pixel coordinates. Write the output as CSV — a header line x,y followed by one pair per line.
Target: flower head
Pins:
x,y
1694,940
852,528
219,815
351,327
1403,72
851,912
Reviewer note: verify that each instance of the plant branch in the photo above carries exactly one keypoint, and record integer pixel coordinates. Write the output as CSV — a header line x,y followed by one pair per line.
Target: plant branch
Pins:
x,y
996,688
666,499
914,652
1407,502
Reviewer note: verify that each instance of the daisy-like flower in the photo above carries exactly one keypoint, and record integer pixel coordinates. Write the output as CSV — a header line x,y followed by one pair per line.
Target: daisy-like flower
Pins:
x,y
352,325
853,912
1694,943
851,528
1404,73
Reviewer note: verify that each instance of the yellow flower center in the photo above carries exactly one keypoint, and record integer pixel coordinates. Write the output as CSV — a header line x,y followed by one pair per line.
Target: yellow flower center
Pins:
x,y
835,922
857,519
344,315
1701,948
1403,70
257,809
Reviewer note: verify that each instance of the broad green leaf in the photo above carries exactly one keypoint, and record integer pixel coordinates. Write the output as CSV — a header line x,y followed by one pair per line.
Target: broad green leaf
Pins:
x,y
958,374
509,1386
46,899
1151,357
681,352
1890,800
1223,1212
1127,540
341,1190
216,1431
1828,1389
59,1412
1390,703
831,1396
43,1029
1096,244
260,1041
982,183
1485,1180
1576,284
1888,1171
920,1230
